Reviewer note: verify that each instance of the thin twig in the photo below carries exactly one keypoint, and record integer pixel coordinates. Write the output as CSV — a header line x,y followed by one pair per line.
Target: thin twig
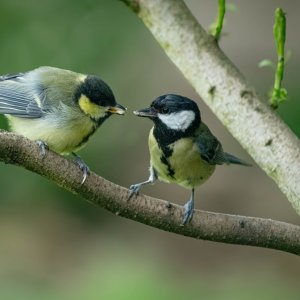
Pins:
x,y
279,94
216,27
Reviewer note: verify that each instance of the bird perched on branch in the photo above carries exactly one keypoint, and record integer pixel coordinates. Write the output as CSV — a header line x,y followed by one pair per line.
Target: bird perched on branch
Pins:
x,y
59,109
182,148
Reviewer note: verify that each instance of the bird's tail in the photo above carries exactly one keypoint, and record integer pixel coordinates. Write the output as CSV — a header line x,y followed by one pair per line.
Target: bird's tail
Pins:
x,y
231,159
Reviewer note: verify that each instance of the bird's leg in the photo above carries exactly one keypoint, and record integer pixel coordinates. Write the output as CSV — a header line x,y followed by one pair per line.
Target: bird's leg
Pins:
x,y
83,167
188,210
135,188
43,147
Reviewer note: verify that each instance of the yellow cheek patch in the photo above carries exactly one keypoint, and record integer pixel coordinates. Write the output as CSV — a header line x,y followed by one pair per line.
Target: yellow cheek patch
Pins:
x,y
90,108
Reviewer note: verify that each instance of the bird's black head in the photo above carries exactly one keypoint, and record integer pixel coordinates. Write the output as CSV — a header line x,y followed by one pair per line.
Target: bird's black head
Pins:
x,y
174,116
96,99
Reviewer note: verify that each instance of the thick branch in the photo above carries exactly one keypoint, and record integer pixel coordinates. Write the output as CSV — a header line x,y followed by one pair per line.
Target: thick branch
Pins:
x,y
257,127
157,213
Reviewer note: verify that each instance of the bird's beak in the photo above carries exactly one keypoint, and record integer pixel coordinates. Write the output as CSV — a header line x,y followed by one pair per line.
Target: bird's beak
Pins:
x,y
148,112
117,109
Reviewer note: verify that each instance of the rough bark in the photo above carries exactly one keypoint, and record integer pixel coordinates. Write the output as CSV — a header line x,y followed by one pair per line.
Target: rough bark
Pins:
x,y
247,116
157,213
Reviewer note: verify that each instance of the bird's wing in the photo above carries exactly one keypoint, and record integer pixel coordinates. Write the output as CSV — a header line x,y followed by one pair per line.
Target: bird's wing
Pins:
x,y
19,98
209,147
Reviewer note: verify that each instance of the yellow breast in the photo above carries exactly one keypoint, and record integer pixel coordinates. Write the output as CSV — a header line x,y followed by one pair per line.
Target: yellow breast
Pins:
x,y
184,167
61,134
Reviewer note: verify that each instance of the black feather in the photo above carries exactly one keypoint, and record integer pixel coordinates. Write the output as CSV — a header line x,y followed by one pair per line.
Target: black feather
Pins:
x,y
231,159
211,149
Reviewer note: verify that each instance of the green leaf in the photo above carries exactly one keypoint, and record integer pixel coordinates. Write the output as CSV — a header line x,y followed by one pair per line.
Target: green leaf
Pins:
x,y
288,56
266,63
277,96
231,7
283,95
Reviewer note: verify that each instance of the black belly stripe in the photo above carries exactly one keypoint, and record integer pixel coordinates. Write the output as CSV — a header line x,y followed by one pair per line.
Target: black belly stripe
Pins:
x,y
167,150
86,138
171,171
97,123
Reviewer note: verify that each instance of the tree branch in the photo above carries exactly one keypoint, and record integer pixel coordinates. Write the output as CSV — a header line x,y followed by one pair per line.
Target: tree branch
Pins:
x,y
270,142
251,121
157,213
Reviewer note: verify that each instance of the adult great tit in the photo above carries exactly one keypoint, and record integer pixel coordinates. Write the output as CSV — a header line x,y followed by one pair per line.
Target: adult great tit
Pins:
x,y
182,148
59,109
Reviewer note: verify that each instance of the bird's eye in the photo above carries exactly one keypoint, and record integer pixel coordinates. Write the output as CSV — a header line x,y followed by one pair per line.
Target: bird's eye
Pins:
x,y
165,110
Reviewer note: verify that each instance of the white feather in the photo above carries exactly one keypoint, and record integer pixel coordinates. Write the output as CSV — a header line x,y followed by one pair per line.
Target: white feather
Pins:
x,y
178,121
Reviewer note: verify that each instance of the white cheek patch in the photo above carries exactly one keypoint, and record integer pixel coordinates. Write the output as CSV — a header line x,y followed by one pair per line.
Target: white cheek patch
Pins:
x,y
178,121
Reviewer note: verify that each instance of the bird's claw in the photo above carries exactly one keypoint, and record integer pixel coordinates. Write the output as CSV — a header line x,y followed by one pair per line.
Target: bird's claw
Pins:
x,y
86,171
188,210
83,167
134,190
43,147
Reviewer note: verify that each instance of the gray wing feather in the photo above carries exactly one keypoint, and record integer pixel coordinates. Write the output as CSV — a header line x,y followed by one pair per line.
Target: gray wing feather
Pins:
x,y
10,76
16,98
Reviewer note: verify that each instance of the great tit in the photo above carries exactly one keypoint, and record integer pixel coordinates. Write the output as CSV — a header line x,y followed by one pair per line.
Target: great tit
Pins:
x,y
182,148
59,109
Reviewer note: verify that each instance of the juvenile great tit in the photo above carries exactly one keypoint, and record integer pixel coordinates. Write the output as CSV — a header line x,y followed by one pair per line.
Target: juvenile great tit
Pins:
x,y
59,109
182,148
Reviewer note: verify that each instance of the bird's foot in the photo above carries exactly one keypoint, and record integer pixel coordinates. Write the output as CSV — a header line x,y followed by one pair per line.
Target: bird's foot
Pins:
x,y
43,147
83,167
134,189
188,210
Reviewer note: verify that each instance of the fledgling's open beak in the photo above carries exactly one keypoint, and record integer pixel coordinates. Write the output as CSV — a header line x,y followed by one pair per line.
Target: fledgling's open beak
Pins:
x,y
148,112
117,109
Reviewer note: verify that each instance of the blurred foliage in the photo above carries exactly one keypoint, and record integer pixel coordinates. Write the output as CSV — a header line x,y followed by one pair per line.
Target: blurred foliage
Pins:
x,y
144,283
70,34
56,246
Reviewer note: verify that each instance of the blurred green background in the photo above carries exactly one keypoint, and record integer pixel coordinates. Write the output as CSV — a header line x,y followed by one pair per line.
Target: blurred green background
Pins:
x,y
54,245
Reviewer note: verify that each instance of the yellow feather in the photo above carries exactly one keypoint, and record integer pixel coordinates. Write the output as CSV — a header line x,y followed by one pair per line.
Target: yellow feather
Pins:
x,y
155,154
90,108
189,168
62,134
